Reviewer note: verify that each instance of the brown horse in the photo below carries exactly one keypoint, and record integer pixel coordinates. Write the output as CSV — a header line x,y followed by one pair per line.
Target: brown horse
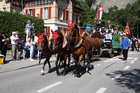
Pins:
x,y
97,43
43,46
57,45
79,46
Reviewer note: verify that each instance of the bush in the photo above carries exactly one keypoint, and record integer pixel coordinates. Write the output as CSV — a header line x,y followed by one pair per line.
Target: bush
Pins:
x,y
12,21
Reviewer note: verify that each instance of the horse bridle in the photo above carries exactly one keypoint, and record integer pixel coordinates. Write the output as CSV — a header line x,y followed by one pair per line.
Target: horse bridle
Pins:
x,y
44,47
58,46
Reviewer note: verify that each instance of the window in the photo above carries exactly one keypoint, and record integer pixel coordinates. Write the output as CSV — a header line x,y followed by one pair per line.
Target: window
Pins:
x,y
61,14
31,3
46,13
35,2
74,17
30,12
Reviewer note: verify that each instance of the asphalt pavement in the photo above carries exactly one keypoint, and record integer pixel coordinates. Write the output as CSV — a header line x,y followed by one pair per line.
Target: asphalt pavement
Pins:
x,y
20,64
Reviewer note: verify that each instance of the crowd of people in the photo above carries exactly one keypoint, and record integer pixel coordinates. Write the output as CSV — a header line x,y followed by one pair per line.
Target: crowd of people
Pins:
x,y
127,43
21,47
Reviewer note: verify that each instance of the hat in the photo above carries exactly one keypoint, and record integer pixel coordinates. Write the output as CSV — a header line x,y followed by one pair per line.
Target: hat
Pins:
x,y
3,32
124,34
28,21
13,32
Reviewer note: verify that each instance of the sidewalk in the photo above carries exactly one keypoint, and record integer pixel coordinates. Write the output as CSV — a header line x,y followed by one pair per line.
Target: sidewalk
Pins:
x,y
14,65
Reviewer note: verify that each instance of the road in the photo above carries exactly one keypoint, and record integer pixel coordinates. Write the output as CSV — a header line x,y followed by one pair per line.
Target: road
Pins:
x,y
108,75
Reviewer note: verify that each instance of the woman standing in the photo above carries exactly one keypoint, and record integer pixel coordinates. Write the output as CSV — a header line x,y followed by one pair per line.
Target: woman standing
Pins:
x,y
125,46
32,48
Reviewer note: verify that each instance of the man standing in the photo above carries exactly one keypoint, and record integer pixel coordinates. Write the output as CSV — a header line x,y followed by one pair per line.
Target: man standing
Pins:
x,y
3,43
14,42
125,46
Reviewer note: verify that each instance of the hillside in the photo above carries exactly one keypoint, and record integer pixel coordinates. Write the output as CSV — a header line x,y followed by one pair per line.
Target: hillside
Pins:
x,y
110,3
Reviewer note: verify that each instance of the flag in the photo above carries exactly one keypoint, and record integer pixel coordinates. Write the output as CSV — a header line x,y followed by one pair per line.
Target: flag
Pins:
x,y
100,12
127,29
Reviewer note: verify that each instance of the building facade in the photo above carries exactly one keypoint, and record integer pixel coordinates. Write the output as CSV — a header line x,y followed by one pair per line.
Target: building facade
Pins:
x,y
55,13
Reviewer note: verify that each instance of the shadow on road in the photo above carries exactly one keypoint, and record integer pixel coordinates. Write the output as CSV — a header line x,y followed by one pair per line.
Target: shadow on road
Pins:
x,y
129,79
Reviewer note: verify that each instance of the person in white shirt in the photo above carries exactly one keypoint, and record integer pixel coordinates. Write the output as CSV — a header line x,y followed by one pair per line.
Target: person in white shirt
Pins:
x,y
108,35
14,43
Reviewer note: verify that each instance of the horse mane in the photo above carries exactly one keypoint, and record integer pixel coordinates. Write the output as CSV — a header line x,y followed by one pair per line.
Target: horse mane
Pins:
x,y
45,41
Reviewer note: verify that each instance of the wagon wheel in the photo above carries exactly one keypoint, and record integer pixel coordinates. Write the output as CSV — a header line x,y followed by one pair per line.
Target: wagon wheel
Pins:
x,y
111,53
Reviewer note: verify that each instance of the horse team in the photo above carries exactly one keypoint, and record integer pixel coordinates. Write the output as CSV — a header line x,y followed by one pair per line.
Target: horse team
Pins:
x,y
70,43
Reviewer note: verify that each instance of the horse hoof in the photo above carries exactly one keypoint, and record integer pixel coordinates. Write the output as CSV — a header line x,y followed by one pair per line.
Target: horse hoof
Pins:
x,y
58,74
42,73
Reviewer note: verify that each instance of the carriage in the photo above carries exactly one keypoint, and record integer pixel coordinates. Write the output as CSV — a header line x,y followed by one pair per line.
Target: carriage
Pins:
x,y
112,47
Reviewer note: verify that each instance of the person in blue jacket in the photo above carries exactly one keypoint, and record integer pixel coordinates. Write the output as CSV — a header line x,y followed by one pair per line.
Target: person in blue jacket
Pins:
x,y
125,46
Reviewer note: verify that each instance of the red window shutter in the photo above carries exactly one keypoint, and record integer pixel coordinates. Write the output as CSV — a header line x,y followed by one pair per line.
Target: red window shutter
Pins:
x,y
49,15
48,30
41,11
33,13
58,13
64,15
67,15
26,11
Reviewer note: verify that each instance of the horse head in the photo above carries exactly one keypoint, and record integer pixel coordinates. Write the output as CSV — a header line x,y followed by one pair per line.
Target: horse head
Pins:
x,y
42,41
72,30
56,40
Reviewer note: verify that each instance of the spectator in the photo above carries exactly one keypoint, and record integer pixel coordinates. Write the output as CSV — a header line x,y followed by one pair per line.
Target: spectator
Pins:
x,y
108,35
28,29
32,29
36,45
32,48
27,48
22,48
125,46
103,32
134,40
3,44
14,43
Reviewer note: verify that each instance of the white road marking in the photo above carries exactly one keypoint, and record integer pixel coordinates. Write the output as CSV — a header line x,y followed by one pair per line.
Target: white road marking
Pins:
x,y
48,87
133,61
117,76
101,90
126,67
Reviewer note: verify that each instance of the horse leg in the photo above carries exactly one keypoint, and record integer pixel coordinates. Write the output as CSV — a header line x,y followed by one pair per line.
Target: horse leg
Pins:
x,y
49,65
77,64
42,70
64,65
56,65
89,60
77,74
69,59
40,57
99,53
